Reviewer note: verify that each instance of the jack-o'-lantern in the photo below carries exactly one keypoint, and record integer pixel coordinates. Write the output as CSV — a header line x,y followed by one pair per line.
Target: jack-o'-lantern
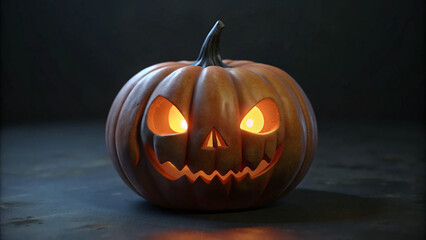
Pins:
x,y
211,134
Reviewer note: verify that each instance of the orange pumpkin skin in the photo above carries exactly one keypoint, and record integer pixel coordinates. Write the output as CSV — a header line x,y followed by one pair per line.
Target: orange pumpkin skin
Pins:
x,y
211,98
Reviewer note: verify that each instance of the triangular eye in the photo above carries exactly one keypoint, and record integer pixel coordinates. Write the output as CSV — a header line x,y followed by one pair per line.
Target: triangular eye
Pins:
x,y
262,118
164,118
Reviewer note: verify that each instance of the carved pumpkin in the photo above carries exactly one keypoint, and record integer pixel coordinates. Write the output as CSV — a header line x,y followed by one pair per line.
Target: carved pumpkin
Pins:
x,y
211,135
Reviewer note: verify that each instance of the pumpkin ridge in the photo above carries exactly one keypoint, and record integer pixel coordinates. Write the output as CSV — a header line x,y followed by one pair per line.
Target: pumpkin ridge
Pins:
x,y
241,76
196,79
310,123
296,102
152,171
113,118
132,134
205,92
231,79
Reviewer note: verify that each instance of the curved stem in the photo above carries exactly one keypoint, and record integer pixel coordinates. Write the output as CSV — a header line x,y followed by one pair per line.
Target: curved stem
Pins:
x,y
210,52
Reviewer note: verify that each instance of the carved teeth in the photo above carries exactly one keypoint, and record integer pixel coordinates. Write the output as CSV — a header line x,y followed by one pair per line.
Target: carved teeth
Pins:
x,y
245,164
168,170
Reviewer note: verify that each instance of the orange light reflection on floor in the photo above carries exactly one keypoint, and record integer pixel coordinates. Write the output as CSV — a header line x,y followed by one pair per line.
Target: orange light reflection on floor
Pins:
x,y
248,233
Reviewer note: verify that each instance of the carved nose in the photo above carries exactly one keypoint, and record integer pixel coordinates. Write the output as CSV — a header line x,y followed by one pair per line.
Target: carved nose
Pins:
x,y
214,140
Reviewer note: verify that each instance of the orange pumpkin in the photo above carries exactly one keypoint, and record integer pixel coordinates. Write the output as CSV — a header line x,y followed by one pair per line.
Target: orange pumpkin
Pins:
x,y
211,135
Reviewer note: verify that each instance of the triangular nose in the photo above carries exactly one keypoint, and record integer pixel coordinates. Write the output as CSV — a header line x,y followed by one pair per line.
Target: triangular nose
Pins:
x,y
214,140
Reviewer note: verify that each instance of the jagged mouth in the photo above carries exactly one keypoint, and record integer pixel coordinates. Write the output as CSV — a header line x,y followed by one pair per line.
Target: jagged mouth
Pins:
x,y
168,170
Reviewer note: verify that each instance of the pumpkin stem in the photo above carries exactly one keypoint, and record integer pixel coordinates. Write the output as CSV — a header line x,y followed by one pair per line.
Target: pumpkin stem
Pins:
x,y
210,52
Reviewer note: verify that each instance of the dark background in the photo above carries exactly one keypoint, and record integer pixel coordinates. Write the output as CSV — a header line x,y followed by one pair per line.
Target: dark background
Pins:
x,y
66,60
361,63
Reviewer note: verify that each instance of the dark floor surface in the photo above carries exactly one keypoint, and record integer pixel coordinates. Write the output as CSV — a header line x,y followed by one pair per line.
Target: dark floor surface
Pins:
x,y
367,182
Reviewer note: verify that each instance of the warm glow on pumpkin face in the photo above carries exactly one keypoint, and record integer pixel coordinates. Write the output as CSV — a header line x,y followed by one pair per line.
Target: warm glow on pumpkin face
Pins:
x,y
253,121
176,121
164,118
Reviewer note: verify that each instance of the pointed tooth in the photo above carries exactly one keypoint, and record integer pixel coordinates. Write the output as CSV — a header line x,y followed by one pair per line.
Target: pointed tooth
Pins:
x,y
179,167
167,149
262,166
245,164
233,172
190,179
225,178
246,170
206,180
205,177
243,175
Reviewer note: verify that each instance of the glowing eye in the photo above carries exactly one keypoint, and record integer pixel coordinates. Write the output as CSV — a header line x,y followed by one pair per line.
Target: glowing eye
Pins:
x,y
262,118
176,121
253,121
164,118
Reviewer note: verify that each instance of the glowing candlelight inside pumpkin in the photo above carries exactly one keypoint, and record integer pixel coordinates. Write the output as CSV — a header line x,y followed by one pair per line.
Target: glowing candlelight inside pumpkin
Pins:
x,y
176,121
253,121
